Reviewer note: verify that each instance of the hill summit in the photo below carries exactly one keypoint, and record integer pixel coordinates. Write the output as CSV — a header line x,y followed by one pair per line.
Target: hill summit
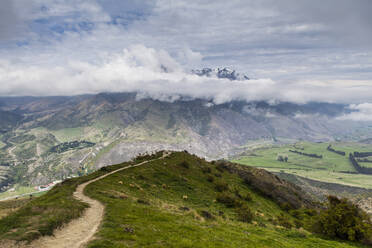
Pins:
x,y
180,200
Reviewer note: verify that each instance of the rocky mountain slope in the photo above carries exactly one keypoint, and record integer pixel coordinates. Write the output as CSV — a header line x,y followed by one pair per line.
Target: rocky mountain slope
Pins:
x,y
119,125
220,73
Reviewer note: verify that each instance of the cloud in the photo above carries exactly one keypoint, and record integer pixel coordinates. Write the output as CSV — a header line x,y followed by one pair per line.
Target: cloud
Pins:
x,y
9,20
154,73
297,50
361,112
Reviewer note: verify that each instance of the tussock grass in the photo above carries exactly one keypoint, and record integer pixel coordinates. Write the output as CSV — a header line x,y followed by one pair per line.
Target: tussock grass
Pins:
x,y
197,220
162,204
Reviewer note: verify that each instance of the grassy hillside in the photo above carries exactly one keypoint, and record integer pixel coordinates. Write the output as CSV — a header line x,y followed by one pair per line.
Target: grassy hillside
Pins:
x,y
7,207
42,215
178,201
332,168
169,203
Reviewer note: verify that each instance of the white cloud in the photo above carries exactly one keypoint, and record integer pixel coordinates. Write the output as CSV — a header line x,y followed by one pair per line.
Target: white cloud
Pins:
x,y
138,69
362,112
154,73
295,54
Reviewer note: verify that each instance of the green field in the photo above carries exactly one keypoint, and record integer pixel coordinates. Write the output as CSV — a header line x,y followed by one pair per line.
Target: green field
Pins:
x,y
18,190
367,165
69,134
332,167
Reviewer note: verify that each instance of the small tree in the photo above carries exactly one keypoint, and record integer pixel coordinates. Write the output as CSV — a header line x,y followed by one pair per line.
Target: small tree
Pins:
x,y
280,158
286,158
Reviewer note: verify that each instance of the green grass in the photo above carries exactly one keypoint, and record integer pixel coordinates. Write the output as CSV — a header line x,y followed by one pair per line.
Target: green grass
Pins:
x,y
69,134
44,214
367,165
19,190
93,160
165,203
6,207
331,168
164,186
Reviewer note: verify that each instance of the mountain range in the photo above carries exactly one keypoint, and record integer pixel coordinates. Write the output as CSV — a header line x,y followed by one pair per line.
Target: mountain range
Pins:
x,y
118,126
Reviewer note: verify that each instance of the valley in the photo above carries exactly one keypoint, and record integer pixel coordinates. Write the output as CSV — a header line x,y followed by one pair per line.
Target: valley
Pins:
x,y
53,138
332,167
332,174
55,147
185,124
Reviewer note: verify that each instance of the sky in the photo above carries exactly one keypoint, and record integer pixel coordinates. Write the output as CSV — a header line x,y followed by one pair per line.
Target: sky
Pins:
x,y
293,50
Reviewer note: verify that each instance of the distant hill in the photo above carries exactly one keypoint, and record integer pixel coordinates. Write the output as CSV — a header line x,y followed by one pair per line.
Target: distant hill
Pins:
x,y
8,120
366,141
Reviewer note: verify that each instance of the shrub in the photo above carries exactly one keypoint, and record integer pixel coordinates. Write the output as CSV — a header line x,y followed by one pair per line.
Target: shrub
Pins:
x,y
296,234
184,208
247,197
143,201
342,219
184,164
206,170
310,212
220,167
261,224
298,223
280,158
237,193
104,169
210,179
286,206
244,214
284,222
221,186
228,199
141,177
206,215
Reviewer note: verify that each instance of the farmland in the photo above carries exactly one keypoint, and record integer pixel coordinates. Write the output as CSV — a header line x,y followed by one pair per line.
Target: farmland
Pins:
x,y
332,167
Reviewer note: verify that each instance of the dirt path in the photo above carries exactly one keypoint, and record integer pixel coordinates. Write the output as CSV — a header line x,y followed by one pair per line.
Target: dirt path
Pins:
x,y
80,231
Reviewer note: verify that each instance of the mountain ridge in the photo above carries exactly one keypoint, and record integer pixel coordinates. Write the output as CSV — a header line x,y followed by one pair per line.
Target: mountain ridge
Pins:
x,y
121,126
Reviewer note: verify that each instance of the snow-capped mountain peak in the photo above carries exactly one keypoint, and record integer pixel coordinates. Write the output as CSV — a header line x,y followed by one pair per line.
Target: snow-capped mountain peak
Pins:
x,y
220,73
